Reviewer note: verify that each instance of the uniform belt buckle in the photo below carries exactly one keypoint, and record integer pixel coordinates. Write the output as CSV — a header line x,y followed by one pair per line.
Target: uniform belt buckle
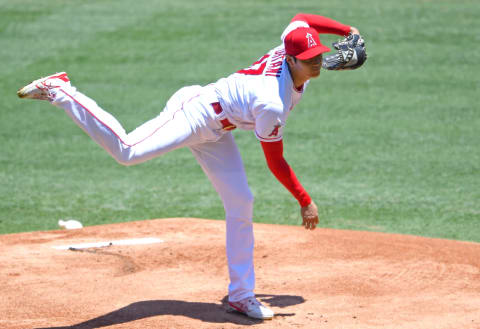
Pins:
x,y
229,127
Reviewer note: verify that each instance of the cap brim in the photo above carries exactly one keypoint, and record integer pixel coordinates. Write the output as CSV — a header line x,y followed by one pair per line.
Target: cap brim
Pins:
x,y
312,52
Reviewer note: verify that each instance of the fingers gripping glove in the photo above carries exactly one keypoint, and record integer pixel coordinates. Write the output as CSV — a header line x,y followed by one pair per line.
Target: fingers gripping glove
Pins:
x,y
350,54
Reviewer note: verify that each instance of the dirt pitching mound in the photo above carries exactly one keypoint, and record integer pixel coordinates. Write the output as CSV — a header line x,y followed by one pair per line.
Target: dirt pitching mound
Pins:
x,y
321,279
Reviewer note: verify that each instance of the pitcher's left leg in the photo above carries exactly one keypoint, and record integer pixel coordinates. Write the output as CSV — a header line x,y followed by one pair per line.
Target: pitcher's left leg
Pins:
x,y
170,130
222,163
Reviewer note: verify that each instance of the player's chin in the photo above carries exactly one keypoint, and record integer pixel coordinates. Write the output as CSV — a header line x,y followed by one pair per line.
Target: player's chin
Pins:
x,y
315,72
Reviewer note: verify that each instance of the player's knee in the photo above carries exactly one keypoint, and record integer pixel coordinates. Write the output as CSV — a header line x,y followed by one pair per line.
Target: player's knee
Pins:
x,y
124,158
248,198
242,199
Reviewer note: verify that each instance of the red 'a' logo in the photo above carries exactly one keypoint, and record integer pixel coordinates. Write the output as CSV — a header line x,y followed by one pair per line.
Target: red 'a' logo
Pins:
x,y
311,41
275,130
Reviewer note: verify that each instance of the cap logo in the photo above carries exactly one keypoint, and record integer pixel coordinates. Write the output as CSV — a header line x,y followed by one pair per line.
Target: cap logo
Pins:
x,y
311,42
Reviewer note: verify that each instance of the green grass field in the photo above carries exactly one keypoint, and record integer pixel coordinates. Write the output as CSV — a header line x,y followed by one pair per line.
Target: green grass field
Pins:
x,y
392,147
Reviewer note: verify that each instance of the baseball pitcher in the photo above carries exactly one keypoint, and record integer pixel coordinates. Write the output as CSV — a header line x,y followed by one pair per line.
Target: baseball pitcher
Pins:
x,y
258,98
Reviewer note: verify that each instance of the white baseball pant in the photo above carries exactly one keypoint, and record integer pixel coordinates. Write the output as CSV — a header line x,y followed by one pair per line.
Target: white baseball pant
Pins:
x,y
188,120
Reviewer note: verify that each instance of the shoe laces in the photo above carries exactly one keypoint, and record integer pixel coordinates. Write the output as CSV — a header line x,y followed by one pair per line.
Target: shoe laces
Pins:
x,y
48,88
250,302
47,84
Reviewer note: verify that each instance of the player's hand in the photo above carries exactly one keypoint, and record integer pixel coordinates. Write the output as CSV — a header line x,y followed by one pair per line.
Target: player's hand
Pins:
x,y
310,216
354,30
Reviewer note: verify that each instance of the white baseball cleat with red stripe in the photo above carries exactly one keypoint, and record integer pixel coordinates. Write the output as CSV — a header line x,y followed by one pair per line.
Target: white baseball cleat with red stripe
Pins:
x,y
44,88
252,307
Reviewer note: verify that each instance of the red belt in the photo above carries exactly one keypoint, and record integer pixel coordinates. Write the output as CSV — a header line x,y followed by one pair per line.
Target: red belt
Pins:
x,y
227,125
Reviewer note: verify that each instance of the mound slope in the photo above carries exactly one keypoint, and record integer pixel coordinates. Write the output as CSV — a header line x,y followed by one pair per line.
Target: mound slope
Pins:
x,y
321,279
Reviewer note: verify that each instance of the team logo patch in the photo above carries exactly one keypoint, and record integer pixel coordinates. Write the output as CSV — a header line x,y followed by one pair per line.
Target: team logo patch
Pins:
x,y
311,41
275,130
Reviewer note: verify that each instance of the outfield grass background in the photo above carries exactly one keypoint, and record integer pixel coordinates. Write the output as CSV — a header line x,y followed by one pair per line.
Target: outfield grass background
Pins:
x,y
392,147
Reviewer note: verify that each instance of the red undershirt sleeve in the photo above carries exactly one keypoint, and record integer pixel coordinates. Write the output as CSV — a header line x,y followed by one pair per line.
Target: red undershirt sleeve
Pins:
x,y
281,170
323,24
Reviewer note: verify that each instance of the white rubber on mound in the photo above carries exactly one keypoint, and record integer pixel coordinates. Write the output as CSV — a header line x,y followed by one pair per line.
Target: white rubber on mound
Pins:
x,y
110,243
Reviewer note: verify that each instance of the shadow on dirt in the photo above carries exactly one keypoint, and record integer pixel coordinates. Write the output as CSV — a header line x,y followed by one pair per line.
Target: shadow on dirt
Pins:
x,y
206,312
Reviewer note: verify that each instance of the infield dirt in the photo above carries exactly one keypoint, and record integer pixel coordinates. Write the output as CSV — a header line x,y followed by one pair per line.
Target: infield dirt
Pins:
x,y
311,279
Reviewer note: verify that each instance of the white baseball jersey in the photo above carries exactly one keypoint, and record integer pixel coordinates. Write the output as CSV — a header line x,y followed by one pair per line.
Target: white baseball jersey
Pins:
x,y
261,97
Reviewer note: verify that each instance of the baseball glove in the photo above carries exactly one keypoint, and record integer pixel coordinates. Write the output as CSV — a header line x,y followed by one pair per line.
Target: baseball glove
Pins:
x,y
350,54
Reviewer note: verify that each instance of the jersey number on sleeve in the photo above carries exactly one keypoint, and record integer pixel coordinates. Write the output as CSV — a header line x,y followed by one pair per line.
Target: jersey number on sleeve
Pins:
x,y
257,68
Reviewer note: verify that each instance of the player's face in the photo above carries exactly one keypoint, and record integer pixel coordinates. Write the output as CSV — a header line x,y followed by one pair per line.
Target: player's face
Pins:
x,y
311,67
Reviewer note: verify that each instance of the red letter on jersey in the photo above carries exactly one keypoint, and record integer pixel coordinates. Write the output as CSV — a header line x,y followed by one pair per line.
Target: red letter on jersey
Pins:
x,y
257,68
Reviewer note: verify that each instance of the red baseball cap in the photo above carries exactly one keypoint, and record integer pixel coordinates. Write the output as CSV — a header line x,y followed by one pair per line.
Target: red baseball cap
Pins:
x,y
304,43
